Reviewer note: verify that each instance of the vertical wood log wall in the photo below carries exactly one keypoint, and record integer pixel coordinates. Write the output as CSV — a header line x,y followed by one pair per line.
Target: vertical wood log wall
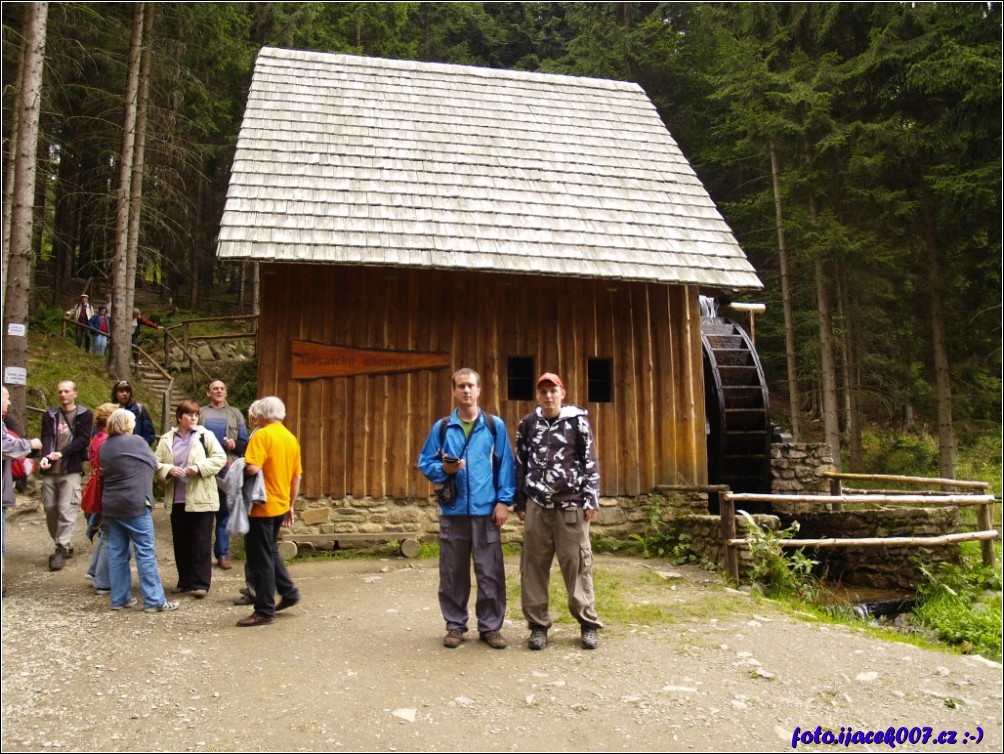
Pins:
x,y
361,435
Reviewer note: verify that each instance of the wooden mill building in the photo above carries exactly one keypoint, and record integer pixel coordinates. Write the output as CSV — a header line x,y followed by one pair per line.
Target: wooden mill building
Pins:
x,y
413,218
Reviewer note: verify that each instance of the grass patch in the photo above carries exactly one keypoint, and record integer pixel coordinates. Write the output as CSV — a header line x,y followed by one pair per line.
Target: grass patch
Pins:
x,y
962,605
916,636
634,599
52,359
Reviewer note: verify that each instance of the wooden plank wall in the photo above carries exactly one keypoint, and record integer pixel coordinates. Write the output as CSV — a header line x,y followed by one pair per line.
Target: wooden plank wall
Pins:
x,y
361,435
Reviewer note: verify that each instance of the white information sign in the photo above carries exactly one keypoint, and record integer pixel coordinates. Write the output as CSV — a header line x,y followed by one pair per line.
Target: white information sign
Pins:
x,y
15,376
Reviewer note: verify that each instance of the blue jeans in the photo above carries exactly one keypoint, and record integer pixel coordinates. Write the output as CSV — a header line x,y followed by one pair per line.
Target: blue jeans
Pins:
x,y
98,567
119,533
100,343
222,546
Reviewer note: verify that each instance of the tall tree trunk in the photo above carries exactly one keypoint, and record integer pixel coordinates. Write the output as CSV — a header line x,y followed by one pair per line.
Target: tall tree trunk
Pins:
x,y
794,399
9,177
255,293
240,289
827,358
18,265
121,312
942,376
66,222
852,375
196,266
139,159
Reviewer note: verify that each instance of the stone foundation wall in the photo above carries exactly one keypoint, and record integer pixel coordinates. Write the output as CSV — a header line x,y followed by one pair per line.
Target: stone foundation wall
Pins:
x,y
796,469
619,518
881,567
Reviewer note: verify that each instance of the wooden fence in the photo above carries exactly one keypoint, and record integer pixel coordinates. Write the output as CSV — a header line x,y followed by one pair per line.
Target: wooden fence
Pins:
x,y
984,514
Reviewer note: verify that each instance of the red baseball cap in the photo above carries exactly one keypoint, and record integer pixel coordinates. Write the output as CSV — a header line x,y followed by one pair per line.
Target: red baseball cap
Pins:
x,y
550,377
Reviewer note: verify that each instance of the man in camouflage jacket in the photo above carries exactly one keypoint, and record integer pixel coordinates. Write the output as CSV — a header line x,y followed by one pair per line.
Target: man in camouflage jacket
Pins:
x,y
557,495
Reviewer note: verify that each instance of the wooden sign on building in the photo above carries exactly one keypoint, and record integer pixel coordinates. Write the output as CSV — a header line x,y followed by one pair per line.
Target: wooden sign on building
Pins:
x,y
412,219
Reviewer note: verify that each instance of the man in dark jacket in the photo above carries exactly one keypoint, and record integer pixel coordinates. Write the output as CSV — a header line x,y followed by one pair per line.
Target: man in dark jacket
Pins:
x,y
66,433
557,495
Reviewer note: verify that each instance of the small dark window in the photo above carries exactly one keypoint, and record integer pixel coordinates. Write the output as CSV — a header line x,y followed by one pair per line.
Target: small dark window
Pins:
x,y
601,380
521,378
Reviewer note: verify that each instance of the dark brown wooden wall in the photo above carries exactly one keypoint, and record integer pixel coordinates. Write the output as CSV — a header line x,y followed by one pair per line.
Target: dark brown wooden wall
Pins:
x,y
361,435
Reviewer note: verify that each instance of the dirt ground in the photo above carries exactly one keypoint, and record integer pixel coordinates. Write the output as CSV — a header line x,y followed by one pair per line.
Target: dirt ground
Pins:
x,y
359,666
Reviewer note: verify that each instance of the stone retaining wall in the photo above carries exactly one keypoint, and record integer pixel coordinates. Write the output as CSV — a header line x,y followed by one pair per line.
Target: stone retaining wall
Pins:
x,y
881,567
620,517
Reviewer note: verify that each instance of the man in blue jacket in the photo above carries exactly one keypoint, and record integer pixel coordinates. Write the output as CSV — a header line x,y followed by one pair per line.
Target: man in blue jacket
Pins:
x,y
472,447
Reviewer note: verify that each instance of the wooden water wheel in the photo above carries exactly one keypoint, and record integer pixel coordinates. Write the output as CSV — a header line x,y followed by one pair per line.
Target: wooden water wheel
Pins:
x,y
737,408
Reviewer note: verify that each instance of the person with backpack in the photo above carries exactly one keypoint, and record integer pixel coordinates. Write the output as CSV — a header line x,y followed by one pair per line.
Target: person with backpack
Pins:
x,y
122,396
188,458
468,459
66,433
557,495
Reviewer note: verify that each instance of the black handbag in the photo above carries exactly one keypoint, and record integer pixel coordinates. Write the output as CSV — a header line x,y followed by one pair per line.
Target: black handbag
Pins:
x,y
447,491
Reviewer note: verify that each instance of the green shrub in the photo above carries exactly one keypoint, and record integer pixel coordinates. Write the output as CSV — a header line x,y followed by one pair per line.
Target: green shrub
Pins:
x,y
780,573
242,383
963,605
979,457
888,452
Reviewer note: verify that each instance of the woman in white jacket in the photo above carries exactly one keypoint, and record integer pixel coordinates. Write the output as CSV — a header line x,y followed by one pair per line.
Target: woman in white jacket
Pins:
x,y
188,458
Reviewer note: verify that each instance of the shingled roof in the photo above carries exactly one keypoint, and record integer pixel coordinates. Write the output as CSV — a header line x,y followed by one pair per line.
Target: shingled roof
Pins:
x,y
363,161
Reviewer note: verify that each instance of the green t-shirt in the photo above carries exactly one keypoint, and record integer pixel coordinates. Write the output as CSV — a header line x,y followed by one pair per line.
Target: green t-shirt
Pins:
x,y
467,425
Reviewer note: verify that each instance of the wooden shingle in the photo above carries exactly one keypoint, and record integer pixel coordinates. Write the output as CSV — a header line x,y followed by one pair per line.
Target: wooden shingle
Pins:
x,y
352,160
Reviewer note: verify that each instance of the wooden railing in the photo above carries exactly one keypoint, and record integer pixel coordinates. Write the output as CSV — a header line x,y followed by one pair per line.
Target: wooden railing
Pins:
x,y
187,337
984,503
165,401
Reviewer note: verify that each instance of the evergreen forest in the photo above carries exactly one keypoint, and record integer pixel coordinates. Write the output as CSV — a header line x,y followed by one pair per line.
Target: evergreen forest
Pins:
x,y
854,149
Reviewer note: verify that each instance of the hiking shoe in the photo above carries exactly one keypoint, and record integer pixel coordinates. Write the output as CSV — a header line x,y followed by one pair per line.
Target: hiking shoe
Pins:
x,y
590,637
538,638
244,599
224,562
130,603
199,593
167,607
58,559
493,639
453,639
102,591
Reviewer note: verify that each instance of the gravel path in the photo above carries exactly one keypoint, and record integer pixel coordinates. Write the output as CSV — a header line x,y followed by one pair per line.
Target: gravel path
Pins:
x,y
358,666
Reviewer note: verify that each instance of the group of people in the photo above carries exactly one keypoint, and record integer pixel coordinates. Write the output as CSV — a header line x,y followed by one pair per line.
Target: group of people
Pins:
x,y
94,326
192,459
552,482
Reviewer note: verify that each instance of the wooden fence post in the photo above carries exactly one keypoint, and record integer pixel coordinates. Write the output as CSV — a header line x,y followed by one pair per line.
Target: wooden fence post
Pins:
x,y
985,522
728,513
